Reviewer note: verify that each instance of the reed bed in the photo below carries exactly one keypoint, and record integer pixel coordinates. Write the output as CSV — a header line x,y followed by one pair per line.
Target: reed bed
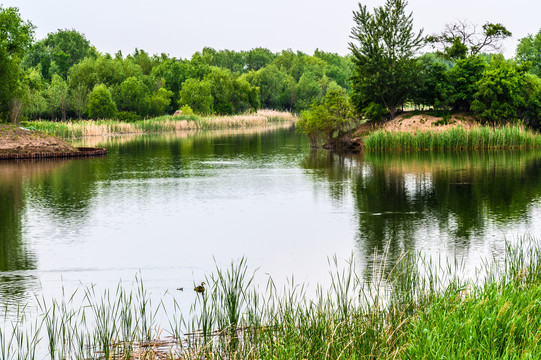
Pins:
x,y
162,124
457,138
412,308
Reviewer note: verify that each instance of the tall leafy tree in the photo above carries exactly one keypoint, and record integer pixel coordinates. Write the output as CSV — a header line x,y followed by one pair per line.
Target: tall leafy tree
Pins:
x,y
15,37
529,49
100,103
58,97
500,92
383,49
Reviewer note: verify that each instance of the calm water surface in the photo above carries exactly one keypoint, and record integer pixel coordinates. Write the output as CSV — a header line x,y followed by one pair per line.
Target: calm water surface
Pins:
x,y
168,208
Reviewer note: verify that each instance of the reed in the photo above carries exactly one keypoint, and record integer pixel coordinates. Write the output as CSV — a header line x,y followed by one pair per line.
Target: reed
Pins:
x,y
162,124
409,308
457,138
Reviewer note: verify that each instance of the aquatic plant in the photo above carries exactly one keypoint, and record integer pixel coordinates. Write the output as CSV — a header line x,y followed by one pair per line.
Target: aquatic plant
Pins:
x,y
457,138
401,309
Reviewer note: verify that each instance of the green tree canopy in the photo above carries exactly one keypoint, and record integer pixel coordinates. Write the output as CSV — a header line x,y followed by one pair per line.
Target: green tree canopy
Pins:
x,y
197,94
15,37
529,49
100,103
383,48
328,120
500,92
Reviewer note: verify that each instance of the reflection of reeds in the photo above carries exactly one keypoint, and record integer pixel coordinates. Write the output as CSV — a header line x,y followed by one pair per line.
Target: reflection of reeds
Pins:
x,y
455,138
162,124
408,309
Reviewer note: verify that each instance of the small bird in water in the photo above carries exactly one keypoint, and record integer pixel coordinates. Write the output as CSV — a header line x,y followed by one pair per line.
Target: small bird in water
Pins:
x,y
200,288
180,289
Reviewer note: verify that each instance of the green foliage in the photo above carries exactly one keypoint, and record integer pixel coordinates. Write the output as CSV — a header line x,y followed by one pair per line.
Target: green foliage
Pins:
x,y
277,88
464,77
258,58
133,95
328,120
127,116
197,94
456,138
529,50
100,103
159,101
15,37
462,39
500,94
374,111
186,110
383,56
58,97
434,87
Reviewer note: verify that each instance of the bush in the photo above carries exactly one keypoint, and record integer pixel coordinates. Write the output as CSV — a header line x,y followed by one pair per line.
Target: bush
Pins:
x,y
128,116
100,103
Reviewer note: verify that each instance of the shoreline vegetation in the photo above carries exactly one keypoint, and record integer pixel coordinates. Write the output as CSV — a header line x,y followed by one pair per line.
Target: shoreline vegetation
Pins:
x,y
162,124
403,309
454,138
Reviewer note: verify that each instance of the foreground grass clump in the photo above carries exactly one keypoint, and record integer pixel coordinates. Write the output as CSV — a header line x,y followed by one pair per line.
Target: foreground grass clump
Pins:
x,y
412,308
161,124
456,138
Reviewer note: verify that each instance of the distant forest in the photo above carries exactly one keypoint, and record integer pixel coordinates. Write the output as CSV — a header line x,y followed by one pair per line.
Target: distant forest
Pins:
x,y
66,77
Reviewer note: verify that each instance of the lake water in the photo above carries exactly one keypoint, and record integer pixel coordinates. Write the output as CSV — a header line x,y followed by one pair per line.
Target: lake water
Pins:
x,y
170,208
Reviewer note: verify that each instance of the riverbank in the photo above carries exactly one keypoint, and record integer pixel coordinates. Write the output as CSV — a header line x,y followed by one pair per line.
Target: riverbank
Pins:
x,y
415,131
163,124
406,309
17,142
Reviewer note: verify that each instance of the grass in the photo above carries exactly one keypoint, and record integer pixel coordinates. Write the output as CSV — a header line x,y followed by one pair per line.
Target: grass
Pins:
x,y
169,123
414,308
456,138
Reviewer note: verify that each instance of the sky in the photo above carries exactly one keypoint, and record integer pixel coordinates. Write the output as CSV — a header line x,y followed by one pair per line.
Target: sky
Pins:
x,y
181,27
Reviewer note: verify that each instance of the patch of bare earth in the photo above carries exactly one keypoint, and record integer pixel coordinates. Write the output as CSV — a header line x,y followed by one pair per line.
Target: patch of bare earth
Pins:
x,y
16,140
420,122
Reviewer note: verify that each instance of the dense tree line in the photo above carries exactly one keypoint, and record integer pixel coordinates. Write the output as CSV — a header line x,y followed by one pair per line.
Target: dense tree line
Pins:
x,y
462,71
391,68
63,76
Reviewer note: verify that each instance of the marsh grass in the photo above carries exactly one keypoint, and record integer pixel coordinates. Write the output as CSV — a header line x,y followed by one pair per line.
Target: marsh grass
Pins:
x,y
162,124
413,307
457,138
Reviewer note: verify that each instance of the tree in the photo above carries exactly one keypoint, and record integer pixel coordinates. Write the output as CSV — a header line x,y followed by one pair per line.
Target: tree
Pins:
x,y
459,40
327,120
529,49
308,89
133,95
79,100
434,88
100,103
277,88
197,94
383,50
58,97
159,101
258,58
15,37
464,77
500,91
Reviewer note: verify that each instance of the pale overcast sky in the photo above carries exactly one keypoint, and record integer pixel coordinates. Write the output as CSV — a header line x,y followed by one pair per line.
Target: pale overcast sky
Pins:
x,y
181,27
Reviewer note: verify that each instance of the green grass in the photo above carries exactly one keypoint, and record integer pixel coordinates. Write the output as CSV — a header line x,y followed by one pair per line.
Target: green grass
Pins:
x,y
413,308
456,138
